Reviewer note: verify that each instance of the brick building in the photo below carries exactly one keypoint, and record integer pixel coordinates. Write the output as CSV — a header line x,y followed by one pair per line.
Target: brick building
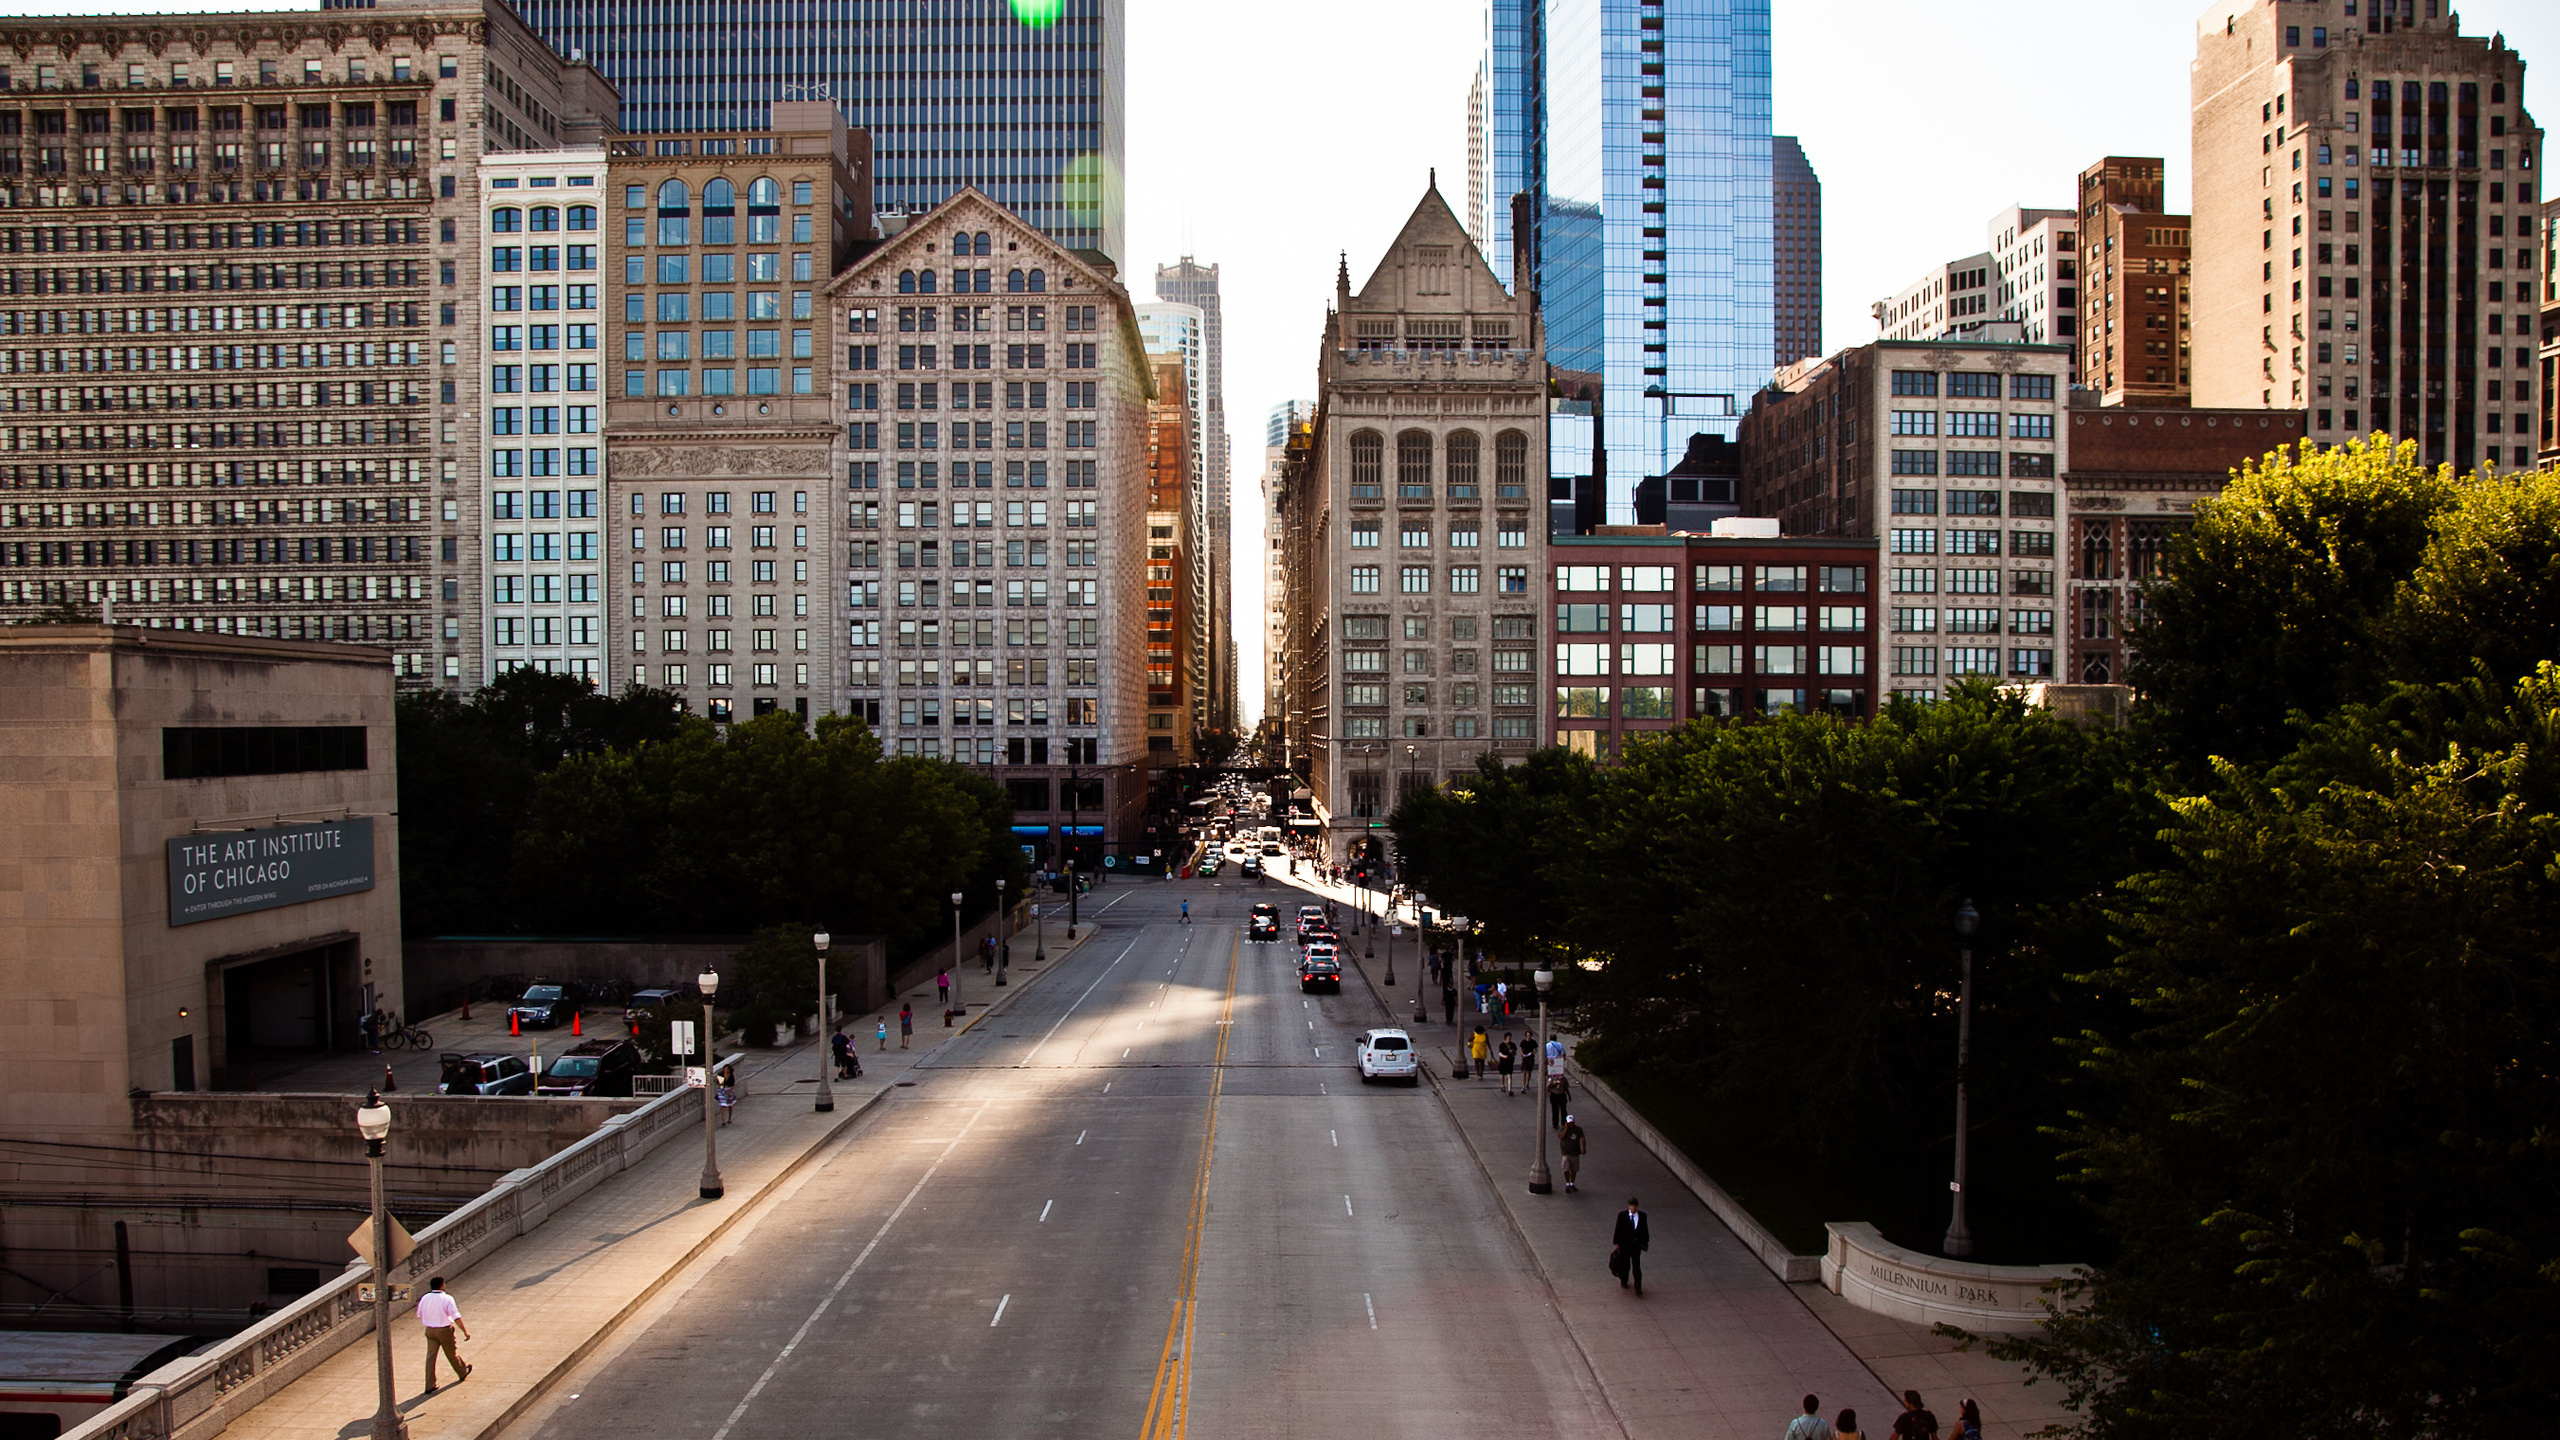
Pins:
x,y
2134,286
263,230
2132,483
1654,630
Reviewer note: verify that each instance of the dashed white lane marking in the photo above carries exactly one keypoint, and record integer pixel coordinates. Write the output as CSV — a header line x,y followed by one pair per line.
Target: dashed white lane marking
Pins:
x,y
1044,1211
1125,1053
1336,1137
1081,1134
1371,1306
999,1315
1346,1204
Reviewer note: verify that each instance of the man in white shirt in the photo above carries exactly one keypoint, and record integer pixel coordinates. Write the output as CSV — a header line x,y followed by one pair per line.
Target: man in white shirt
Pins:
x,y
1810,1425
441,1318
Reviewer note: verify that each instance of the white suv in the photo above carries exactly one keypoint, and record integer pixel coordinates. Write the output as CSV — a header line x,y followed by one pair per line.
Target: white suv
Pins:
x,y
1388,1055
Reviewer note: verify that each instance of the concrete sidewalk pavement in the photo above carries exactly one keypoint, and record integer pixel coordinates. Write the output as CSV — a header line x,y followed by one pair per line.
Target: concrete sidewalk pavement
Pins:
x,y
1717,1345
538,1306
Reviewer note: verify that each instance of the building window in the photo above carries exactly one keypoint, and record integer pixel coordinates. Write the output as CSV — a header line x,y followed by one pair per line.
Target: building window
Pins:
x,y
1364,579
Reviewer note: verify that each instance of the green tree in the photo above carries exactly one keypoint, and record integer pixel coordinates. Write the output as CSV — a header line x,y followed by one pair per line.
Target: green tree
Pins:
x,y
2325,1148
1495,848
2487,591
2279,599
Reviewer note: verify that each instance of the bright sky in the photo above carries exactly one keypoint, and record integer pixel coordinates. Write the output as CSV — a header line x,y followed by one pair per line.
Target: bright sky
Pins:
x,y
1268,140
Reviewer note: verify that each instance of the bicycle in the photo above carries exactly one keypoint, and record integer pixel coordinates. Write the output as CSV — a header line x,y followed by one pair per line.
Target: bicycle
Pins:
x,y
414,1037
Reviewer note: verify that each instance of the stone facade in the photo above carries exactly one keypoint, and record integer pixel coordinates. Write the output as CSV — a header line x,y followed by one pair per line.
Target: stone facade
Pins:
x,y
722,435
1047,462
1416,629
1950,451
283,208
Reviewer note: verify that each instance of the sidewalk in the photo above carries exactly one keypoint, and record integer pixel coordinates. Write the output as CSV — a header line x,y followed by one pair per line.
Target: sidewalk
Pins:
x,y
1717,1345
541,1304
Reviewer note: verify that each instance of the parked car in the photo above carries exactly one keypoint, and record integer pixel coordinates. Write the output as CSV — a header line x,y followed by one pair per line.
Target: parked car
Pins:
x,y
1388,1055
546,1004
484,1075
644,1005
600,1068
1318,972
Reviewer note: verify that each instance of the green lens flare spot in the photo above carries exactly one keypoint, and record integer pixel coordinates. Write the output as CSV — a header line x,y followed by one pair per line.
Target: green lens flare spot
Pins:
x,y
1039,14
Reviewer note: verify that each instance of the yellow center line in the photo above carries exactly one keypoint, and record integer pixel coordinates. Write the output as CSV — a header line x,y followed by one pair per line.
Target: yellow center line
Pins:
x,y
1169,1404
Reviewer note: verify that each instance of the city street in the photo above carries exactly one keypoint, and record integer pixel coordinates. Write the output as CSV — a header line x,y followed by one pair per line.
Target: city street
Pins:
x,y
1151,1198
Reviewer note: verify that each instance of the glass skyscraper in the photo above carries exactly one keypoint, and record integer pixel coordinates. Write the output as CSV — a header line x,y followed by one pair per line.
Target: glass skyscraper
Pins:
x,y
1641,128
952,94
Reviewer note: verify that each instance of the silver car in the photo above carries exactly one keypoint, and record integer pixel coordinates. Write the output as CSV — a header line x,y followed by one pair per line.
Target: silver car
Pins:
x,y
1388,1055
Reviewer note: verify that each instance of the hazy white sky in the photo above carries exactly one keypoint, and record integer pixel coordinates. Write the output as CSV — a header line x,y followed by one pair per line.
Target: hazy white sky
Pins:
x,y
1268,140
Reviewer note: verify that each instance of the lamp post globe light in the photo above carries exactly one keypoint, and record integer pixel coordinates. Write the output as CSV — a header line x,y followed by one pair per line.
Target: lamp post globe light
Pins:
x,y
1540,1182
1004,947
1959,1241
373,1122
826,1052
712,1189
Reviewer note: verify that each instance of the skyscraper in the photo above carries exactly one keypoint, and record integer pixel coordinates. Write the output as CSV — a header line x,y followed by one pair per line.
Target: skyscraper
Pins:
x,y
2364,212
1176,334
1196,285
2137,286
1641,129
1028,112
1796,230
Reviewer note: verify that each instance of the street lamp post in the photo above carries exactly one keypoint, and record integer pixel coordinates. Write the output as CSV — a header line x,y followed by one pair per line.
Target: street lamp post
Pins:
x,y
1540,1183
712,1189
1004,941
955,1005
1421,969
826,1053
1074,785
1959,1241
1040,937
373,1122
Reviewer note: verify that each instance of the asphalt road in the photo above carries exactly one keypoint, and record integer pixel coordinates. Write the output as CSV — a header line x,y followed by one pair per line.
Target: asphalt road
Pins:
x,y
1152,1199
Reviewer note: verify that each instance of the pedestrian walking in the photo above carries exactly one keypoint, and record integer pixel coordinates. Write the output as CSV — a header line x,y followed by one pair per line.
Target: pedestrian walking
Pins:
x,y
987,953
1968,1421
1845,1426
842,1045
1476,1047
1556,1098
440,1318
884,1032
1915,1422
1505,1056
1810,1425
1502,992
1571,1141
1186,912
1448,1004
728,1097
1627,1245
906,1024
942,982
1484,998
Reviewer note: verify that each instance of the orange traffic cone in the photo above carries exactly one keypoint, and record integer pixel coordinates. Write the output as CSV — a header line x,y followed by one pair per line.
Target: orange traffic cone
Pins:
x,y
514,1026
577,1022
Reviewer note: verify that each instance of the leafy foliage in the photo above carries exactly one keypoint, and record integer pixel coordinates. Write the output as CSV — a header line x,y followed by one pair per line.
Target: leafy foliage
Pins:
x,y
2277,599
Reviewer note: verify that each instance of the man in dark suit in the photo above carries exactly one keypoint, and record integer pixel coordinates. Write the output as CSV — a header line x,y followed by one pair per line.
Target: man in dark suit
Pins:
x,y
1633,1237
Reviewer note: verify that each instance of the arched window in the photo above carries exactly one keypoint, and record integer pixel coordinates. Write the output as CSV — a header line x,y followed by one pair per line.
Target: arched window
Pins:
x,y
985,242
505,219
1413,465
582,217
1039,282
1510,466
719,213
675,215
960,242
906,282
1463,454
1368,464
1013,282
543,217
762,191
764,218
925,280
